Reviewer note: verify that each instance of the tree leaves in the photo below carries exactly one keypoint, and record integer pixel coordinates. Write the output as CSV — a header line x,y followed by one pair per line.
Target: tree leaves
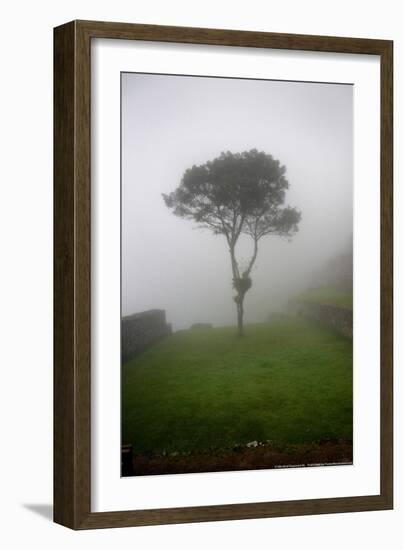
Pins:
x,y
236,193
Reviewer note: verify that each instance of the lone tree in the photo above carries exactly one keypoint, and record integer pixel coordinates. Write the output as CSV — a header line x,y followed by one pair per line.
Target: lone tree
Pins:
x,y
234,194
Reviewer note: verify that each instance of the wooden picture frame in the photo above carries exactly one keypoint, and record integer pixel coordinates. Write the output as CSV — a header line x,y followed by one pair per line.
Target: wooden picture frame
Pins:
x,y
72,269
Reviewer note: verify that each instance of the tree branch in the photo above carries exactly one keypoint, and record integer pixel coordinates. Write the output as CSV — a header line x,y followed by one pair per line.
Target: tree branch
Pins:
x,y
234,263
246,273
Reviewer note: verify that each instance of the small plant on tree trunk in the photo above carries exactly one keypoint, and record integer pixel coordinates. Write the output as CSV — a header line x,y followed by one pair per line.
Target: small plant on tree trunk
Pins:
x,y
234,194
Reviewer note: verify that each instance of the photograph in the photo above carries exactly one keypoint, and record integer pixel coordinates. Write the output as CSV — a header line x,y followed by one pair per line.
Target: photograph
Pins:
x,y
236,274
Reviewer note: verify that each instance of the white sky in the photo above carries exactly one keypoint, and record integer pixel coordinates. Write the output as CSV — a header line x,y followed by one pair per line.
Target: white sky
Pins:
x,y
170,123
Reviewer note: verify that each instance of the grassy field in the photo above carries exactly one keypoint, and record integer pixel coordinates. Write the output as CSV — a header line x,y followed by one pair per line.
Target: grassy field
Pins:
x,y
328,296
288,381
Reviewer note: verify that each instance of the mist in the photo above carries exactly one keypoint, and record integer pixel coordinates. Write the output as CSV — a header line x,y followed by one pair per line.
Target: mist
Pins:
x,y
170,123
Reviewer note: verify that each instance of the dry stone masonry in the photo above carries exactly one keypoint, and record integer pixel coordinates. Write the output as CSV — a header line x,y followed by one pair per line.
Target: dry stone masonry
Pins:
x,y
141,330
337,318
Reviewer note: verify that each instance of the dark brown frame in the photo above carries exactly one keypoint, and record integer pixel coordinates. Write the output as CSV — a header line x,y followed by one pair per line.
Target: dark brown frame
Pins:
x,y
72,320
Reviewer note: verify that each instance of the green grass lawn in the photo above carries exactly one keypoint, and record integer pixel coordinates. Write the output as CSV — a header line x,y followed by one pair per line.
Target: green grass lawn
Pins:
x,y
288,381
328,296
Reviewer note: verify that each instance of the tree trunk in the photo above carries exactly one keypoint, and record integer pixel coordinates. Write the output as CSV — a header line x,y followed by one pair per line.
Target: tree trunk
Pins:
x,y
240,315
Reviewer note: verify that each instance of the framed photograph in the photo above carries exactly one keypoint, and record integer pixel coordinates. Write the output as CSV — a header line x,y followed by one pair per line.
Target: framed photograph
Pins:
x,y
222,274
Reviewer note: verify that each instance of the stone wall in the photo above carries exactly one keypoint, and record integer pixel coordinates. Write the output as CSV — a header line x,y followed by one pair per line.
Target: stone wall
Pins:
x,y
337,318
141,330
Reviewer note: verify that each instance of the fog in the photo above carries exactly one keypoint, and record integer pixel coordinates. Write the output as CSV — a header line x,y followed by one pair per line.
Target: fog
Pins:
x,y
170,123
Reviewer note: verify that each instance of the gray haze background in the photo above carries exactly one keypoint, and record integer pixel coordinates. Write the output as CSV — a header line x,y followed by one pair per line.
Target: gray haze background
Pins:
x,y
170,123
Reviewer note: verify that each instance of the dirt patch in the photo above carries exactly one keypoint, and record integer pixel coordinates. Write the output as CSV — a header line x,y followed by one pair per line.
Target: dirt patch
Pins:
x,y
323,453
